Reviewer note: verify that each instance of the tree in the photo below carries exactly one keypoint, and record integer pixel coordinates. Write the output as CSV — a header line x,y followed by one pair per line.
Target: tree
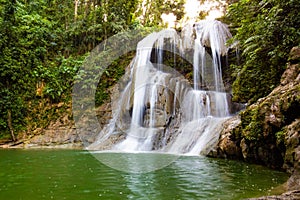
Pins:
x,y
25,39
42,45
266,31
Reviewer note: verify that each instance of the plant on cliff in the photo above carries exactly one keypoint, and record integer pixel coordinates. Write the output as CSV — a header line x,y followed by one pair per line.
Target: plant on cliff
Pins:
x,y
268,132
43,43
24,45
266,30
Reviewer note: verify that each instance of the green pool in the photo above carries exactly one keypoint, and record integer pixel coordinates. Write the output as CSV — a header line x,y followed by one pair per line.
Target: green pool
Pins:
x,y
70,174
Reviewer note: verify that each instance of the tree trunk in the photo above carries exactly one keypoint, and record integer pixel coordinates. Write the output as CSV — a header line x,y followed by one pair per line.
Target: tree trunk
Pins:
x,y
87,7
9,122
75,10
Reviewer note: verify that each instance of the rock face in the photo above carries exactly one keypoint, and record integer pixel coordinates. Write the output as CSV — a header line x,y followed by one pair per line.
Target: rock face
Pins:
x,y
267,132
291,195
59,134
62,133
228,146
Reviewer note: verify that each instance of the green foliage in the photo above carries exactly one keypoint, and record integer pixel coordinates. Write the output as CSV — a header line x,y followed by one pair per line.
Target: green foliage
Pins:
x,y
110,77
43,43
266,31
280,136
251,124
21,43
59,78
153,10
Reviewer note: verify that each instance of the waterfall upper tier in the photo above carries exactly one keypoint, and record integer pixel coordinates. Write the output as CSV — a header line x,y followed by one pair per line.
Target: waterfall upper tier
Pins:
x,y
160,109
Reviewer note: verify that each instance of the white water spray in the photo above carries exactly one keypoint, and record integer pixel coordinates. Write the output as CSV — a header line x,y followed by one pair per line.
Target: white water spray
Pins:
x,y
166,114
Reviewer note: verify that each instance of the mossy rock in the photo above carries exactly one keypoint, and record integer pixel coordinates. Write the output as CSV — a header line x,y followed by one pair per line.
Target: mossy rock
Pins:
x,y
269,129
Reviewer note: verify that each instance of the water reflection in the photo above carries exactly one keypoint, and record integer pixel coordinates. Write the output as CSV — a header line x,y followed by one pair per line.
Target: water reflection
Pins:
x,y
78,175
135,162
202,178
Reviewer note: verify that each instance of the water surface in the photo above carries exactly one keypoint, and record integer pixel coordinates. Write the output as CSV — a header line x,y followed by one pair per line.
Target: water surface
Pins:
x,y
70,174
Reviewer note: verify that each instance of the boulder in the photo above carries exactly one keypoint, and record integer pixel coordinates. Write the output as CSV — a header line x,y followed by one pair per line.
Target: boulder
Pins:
x,y
267,132
227,146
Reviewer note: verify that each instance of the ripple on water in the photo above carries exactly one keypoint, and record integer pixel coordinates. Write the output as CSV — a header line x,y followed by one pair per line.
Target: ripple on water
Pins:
x,y
67,174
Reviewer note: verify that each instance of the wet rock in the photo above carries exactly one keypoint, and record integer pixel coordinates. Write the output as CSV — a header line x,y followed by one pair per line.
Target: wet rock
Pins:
x,y
293,182
295,54
160,118
268,131
270,127
292,143
228,147
291,73
244,148
291,195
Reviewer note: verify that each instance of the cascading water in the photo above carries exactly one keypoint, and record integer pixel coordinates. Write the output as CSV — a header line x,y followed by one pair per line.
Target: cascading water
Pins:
x,y
166,113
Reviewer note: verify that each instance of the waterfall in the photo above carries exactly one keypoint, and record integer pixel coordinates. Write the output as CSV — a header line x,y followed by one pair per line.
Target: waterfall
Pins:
x,y
159,110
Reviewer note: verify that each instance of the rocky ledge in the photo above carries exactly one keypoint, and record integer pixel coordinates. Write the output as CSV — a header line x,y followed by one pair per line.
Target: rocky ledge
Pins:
x,y
267,132
291,195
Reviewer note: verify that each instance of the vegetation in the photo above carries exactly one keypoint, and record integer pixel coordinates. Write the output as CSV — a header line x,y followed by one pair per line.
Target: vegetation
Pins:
x,y
266,30
43,43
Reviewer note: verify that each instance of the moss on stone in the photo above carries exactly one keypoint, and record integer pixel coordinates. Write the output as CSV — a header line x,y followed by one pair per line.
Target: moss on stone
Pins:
x,y
251,126
280,136
268,132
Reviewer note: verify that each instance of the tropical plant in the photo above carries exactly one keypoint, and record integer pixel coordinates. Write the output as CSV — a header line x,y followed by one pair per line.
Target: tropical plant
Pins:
x,y
266,30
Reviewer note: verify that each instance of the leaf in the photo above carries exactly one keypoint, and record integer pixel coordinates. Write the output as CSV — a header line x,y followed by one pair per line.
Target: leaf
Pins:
x,y
254,38
249,49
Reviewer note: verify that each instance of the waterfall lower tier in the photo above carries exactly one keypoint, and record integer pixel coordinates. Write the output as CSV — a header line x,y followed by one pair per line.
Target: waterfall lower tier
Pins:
x,y
158,110
198,136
